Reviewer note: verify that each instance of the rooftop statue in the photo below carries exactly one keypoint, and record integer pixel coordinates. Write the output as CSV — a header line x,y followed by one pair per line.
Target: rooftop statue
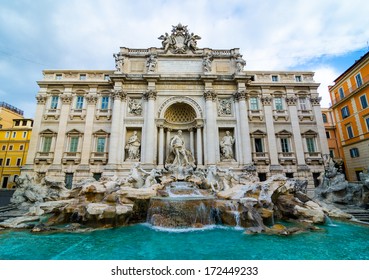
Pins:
x,y
180,41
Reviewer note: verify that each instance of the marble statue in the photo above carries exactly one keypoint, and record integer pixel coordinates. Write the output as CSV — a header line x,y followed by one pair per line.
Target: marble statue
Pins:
x,y
151,63
213,179
150,178
225,107
134,107
207,63
135,178
226,146
228,178
119,61
133,147
240,64
167,41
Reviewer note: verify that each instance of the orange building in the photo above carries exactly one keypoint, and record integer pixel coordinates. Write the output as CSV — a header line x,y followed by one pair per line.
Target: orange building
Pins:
x,y
350,107
334,143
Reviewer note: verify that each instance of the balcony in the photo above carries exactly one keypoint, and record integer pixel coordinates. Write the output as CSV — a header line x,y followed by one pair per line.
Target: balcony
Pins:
x,y
313,158
99,157
103,114
346,93
52,113
305,114
44,157
286,158
71,157
77,113
280,114
260,158
255,114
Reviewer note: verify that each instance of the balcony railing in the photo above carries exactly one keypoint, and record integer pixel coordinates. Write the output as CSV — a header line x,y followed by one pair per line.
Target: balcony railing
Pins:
x,y
44,157
53,113
71,156
287,157
100,157
311,157
260,157
103,113
365,80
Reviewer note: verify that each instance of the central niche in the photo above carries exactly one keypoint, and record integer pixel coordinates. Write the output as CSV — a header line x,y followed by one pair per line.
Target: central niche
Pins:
x,y
180,114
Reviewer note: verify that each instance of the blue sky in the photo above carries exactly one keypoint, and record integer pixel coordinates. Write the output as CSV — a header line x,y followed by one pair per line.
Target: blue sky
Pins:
x,y
325,36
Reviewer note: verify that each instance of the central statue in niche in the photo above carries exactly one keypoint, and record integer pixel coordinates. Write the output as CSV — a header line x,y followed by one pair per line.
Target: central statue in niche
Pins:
x,y
179,160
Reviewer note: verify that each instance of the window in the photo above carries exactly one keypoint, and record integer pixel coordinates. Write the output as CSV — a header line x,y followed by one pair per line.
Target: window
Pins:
x,y
7,162
24,134
327,134
254,104
24,123
331,153
82,77
259,145
310,144
73,148
289,175
100,145
54,102
1,161
3,148
285,145
46,146
104,102
354,152
363,101
14,134
359,81
350,132
7,134
345,112
16,123
79,102
19,161
325,120
274,78
298,78
21,147
97,176
278,105
10,147
68,180
342,94
303,103
367,123
58,77
106,77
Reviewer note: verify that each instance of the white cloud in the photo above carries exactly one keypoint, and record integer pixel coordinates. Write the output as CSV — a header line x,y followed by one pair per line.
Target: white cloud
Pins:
x,y
272,35
325,75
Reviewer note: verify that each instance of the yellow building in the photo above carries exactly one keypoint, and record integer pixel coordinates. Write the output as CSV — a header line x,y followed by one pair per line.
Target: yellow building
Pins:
x,y
334,142
350,106
14,144
7,114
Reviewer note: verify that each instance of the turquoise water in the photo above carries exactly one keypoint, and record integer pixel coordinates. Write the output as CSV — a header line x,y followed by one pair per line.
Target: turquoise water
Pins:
x,y
142,242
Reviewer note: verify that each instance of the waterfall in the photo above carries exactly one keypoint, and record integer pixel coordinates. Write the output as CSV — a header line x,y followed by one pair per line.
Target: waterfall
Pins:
x,y
233,208
328,221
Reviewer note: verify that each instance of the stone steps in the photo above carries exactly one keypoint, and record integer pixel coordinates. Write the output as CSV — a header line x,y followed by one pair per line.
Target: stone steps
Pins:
x,y
9,211
359,214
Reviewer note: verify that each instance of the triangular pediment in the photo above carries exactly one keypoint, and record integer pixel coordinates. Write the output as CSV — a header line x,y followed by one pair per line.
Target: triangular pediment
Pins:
x,y
283,133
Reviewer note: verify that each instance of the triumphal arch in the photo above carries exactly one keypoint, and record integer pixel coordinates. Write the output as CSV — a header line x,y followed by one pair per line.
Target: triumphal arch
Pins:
x,y
177,105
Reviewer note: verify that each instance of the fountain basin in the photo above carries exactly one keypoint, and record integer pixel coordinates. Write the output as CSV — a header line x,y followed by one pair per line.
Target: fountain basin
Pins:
x,y
181,212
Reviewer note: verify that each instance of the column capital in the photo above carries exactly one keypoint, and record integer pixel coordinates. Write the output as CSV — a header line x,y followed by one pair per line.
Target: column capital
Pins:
x,y
209,95
119,94
240,95
291,100
66,99
315,101
150,94
41,99
266,100
91,99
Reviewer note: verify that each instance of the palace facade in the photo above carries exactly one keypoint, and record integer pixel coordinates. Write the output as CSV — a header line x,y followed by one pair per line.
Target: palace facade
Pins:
x,y
98,123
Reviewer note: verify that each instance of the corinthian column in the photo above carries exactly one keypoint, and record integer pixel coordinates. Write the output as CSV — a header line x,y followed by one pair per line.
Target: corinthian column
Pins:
x,y
32,150
210,128
117,96
244,127
64,114
86,146
150,131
